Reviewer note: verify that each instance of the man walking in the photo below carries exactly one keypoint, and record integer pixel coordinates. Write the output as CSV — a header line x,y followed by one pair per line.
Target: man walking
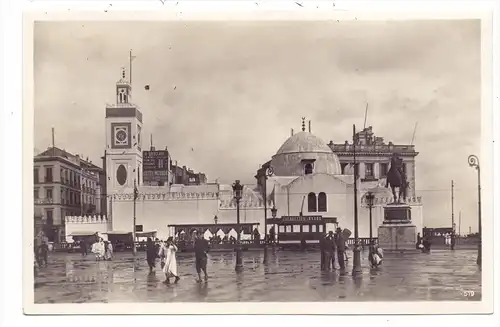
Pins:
x,y
340,242
322,247
330,251
200,252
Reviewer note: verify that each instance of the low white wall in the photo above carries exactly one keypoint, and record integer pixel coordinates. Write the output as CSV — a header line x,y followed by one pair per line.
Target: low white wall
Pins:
x,y
92,224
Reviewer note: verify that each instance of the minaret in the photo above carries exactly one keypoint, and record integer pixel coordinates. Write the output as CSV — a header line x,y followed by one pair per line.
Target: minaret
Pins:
x,y
303,124
123,140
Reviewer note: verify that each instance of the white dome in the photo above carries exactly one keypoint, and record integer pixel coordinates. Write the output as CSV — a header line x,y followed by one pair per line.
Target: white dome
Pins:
x,y
304,146
304,142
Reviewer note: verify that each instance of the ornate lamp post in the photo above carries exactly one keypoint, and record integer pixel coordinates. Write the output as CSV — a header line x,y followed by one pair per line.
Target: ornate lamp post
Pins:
x,y
474,162
274,212
369,199
356,262
269,172
237,193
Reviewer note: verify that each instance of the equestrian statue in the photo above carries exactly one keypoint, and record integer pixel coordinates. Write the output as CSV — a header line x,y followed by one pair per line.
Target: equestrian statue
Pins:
x,y
396,178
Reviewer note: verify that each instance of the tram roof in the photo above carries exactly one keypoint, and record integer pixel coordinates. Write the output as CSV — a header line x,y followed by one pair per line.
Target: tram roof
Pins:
x,y
213,225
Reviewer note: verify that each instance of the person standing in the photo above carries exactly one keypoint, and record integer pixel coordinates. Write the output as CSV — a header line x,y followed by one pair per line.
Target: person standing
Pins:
x,y
151,252
108,250
200,252
43,251
98,249
340,248
330,251
170,268
419,240
322,247
83,248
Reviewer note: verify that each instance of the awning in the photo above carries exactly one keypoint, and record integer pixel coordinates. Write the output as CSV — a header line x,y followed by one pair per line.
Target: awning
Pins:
x,y
117,233
146,234
82,233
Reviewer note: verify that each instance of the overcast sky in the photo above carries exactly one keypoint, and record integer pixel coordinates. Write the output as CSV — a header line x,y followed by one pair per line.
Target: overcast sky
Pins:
x,y
232,91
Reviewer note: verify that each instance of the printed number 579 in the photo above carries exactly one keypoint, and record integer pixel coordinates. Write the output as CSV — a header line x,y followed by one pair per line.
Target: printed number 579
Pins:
x,y
468,293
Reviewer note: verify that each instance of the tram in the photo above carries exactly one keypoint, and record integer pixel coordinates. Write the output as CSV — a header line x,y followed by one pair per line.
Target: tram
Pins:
x,y
303,230
221,237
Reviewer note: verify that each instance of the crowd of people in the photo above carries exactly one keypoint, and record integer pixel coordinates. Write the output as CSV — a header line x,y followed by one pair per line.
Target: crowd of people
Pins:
x,y
166,252
333,251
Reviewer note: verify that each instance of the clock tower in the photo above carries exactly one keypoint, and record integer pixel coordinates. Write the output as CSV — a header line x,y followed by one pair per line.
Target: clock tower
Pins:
x,y
123,140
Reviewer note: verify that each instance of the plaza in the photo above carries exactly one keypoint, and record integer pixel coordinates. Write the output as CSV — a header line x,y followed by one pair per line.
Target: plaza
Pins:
x,y
442,275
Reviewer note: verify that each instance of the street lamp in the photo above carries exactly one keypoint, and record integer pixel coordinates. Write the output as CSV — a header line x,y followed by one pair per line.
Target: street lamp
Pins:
x,y
237,193
369,199
274,212
356,260
269,172
474,162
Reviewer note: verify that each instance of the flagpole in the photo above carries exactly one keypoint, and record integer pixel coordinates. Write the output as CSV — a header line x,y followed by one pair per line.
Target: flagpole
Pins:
x,y
130,65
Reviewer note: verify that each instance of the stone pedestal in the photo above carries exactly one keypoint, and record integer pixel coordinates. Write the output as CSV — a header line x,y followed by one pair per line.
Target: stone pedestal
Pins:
x,y
397,233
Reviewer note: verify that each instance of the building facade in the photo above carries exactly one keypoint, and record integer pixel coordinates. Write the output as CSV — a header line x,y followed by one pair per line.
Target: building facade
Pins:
x,y
64,185
373,158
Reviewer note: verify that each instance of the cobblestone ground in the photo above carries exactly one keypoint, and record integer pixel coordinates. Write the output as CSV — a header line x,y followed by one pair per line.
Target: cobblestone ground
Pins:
x,y
289,276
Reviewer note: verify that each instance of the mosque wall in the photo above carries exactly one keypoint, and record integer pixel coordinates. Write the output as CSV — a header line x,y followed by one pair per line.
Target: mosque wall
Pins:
x,y
156,210
158,214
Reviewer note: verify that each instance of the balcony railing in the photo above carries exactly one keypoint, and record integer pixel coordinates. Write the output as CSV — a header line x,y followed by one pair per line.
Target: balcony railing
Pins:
x,y
44,201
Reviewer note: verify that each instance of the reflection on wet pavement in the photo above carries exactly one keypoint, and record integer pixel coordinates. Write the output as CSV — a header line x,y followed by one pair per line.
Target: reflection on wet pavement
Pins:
x,y
289,276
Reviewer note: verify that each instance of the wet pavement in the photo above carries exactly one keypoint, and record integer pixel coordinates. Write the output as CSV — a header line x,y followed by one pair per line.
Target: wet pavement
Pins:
x,y
442,275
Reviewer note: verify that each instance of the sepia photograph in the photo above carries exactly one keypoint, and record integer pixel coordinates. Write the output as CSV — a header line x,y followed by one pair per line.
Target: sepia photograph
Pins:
x,y
258,160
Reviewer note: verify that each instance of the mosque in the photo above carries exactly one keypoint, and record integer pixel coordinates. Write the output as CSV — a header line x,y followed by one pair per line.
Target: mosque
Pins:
x,y
305,177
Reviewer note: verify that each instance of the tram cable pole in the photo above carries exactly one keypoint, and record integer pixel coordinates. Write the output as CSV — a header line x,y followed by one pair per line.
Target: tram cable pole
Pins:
x,y
356,264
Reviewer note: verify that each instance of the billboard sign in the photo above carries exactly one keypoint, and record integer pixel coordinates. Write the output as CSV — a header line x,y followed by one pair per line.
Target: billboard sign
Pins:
x,y
155,166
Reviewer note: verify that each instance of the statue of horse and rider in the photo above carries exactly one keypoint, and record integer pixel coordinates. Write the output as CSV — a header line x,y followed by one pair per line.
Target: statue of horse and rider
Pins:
x,y
396,178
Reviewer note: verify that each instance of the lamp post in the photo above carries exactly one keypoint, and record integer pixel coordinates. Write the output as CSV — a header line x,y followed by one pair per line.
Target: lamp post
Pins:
x,y
136,195
269,172
474,162
237,193
274,212
369,199
356,261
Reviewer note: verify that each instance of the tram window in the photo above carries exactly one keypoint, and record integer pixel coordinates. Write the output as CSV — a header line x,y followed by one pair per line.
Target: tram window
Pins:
x,y
281,229
320,228
305,228
288,228
313,228
296,229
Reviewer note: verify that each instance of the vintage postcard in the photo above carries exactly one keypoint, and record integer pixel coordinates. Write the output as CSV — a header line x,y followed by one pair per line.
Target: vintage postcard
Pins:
x,y
296,162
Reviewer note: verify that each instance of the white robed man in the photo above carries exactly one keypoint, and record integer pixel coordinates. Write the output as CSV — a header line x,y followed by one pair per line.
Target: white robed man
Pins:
x,y
98,249
168,250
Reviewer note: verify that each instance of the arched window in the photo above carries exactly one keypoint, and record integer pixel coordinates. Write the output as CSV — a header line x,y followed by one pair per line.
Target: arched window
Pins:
x,y
322,202
308,169
311,202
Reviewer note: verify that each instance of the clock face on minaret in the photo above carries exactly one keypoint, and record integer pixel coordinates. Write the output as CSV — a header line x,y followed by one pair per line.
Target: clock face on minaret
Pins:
x,y
121,135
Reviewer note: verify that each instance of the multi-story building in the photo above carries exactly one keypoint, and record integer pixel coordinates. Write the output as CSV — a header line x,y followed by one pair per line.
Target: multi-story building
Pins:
x,y
64,185
185,176
373,157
